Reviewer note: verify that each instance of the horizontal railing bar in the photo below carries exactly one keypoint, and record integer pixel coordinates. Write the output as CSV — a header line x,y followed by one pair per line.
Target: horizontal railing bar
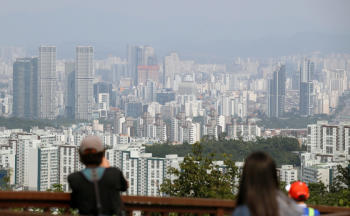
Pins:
x,y
159,204
329,209
24,195
177,209
180,201
47,196
17,213
33,204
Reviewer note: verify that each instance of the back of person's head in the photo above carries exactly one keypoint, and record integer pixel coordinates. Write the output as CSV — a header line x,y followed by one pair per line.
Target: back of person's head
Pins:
x,y
259,185
299,191
91,151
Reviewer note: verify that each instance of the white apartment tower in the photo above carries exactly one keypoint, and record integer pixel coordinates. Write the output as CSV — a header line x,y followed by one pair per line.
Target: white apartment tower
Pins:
x,y
84,77
306,87
171,67
47,79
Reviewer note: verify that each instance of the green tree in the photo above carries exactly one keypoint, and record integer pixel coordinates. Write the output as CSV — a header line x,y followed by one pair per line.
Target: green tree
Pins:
x,y
201,177
6,180
319,195
341,181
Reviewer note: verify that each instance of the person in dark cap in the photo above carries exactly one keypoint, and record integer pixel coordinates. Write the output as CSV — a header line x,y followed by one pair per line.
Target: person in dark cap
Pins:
x,y
96,189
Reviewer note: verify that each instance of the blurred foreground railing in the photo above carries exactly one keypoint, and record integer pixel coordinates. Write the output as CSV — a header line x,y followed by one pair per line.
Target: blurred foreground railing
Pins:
x,y
148,205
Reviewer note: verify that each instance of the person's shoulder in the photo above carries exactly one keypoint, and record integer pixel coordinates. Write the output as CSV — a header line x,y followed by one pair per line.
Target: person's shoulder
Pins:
x,y
316,212
113,170
74,175
241,210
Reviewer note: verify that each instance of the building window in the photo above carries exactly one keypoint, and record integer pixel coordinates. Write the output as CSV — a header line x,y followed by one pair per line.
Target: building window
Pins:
x,y
329,131
309,148
329,150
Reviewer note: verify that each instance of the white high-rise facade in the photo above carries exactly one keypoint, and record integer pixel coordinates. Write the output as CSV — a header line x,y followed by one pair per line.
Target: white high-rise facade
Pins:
x,y
84,77
306,87
171,67
47,79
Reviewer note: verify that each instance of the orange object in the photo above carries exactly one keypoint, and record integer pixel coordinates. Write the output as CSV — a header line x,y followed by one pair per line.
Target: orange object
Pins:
x,y
299,191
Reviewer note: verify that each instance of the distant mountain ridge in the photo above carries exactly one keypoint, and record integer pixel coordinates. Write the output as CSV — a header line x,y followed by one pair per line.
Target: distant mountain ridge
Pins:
x,y
189,36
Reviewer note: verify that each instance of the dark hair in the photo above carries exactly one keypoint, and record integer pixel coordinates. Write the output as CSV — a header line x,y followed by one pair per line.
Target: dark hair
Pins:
x,y
91,158
259,185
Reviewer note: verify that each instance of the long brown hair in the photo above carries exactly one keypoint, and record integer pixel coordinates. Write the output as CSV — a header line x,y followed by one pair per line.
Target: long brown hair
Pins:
x,y
259,185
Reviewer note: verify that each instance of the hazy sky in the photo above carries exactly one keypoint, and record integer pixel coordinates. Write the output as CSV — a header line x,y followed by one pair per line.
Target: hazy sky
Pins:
x,y
190,27
327,13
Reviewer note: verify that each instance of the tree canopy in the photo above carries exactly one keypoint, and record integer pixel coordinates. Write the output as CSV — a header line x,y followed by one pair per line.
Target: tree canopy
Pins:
x,y
280,148
199,176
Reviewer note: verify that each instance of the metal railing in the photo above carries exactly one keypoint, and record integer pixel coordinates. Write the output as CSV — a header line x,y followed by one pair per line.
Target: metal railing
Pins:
x,y
148,205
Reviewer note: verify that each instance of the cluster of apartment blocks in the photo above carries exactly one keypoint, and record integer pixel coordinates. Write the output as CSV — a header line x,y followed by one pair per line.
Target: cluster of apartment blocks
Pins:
x,y
38,159
182,128
327,147
41,158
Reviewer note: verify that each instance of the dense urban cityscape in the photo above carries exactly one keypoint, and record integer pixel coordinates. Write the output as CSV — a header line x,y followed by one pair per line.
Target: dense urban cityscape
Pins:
x,y
197,101
145,101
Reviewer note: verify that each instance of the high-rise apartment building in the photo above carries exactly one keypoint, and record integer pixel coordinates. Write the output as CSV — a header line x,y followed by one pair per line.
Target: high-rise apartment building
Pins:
x,y
12,53
148,72
277,92
148,51
84,76
70,89
171,67
137,56
306,87
25,81
47,79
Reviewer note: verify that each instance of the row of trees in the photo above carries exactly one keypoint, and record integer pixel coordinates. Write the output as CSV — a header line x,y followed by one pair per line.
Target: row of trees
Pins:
x,y
278,147
26,124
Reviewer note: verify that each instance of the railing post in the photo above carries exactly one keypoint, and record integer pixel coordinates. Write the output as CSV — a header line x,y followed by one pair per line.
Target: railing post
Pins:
x,y
46,210
220,212
129,213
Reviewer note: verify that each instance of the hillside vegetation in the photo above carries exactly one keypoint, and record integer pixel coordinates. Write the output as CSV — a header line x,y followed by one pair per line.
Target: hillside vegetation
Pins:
x,y
280,148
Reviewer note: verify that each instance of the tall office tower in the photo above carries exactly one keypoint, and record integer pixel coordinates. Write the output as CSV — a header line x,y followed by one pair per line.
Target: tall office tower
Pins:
x,y
147,52
150,91
128,53
138,60
277,92
120,70
25,81
233,82
171,67
306,87
70,90
47,79
152,59
102,87
84,77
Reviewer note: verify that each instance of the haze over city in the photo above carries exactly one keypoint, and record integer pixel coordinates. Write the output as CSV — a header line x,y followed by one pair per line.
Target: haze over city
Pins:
x,y
159,84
